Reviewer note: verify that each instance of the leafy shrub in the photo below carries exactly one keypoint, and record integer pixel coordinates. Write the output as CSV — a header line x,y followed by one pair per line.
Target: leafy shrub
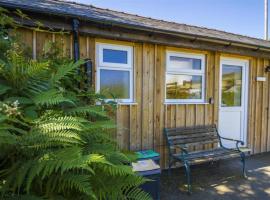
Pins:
x,y
54,139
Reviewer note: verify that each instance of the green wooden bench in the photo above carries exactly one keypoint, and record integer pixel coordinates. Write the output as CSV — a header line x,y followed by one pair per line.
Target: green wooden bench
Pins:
x,y
185,138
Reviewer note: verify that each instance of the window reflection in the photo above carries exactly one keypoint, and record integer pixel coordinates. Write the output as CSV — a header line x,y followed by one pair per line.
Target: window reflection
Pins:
x,y
183,86
231,85
115,56
181,63
114,84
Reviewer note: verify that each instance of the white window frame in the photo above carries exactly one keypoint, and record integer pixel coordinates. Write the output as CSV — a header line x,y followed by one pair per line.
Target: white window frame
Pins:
x,y
191,72
115,66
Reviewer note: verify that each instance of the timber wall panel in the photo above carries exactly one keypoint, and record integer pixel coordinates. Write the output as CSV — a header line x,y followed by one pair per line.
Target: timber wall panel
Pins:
x,y
26,36
63,40
42,38
140,125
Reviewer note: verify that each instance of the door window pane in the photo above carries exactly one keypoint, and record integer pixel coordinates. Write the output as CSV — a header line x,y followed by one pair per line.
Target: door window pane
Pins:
x,y
115,84
231,85
181,63
183,86
115,56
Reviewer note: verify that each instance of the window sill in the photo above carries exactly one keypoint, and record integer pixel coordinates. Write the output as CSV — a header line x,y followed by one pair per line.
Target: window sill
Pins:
x,y
186,103
126,103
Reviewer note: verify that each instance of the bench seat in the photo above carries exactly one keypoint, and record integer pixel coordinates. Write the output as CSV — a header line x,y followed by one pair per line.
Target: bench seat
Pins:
x,y
199,157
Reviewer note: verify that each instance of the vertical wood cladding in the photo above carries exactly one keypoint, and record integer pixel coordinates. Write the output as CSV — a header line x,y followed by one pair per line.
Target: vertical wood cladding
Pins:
x,y
140,125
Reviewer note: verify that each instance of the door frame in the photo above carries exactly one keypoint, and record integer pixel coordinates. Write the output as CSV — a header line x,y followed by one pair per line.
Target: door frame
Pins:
x,y
244,98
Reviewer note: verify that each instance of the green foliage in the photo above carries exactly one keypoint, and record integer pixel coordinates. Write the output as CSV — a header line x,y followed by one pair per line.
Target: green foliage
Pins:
x,y
55,140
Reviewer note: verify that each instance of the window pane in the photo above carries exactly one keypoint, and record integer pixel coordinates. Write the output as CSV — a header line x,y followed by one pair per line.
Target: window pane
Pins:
x,y
231,85
114,84
181,63
183,87
115,56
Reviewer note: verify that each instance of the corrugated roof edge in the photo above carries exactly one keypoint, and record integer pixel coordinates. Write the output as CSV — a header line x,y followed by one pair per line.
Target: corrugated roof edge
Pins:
x,y
254,40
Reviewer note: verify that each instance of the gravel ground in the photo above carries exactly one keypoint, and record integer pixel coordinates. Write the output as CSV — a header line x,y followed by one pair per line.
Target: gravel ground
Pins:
x,y
220,181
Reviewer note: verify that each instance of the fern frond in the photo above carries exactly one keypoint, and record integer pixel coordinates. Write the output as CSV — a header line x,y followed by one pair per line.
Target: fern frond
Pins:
x,y
4,89
6,127
65,70
6,138
96,112
22,197
21,100
72,181
61,123
44,140
51,98
136,193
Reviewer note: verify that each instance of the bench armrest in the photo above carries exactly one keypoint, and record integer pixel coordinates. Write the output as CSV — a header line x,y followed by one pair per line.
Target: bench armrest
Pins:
x,y
183,148
237,142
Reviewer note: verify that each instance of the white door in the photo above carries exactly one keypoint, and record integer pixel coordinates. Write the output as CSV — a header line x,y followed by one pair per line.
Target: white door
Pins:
x,y
233,100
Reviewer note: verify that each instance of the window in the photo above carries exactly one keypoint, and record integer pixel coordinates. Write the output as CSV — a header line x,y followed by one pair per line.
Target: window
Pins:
x,y
185,78
115,72
231,85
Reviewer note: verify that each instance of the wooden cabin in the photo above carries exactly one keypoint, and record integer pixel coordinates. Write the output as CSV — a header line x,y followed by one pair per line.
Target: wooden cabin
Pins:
x,y
163,74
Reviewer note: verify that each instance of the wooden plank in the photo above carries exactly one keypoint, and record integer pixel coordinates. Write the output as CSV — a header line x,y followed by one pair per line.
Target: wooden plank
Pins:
x,y
166,152
43,38
173,116
63,40
199,113
123,128
196,141
190,121
190,115
251,110
154,97
92,55
199,120
190,129
26,37
151,97
71,46
216,87
119,127
192,136
145,96
258,107
138,65
159,107
83,47
268,104
126,123
216,80
180,115
34,45
264,109
133,127
209,108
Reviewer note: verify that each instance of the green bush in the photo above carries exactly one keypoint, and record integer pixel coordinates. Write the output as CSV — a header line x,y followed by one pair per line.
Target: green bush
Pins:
x,y
54,139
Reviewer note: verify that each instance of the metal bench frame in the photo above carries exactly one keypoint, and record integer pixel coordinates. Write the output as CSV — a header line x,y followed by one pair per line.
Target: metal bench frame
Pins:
x,y
184,155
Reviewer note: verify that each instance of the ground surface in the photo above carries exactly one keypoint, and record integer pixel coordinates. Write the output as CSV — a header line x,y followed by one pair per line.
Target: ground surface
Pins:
x,y
221,181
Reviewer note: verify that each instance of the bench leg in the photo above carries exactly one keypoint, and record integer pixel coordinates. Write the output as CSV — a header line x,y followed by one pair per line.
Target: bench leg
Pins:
x,y
170,165
243,160
187,168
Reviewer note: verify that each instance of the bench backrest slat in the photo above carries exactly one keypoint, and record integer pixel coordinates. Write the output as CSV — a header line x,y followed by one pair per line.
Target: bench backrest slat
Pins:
x,y
192,136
